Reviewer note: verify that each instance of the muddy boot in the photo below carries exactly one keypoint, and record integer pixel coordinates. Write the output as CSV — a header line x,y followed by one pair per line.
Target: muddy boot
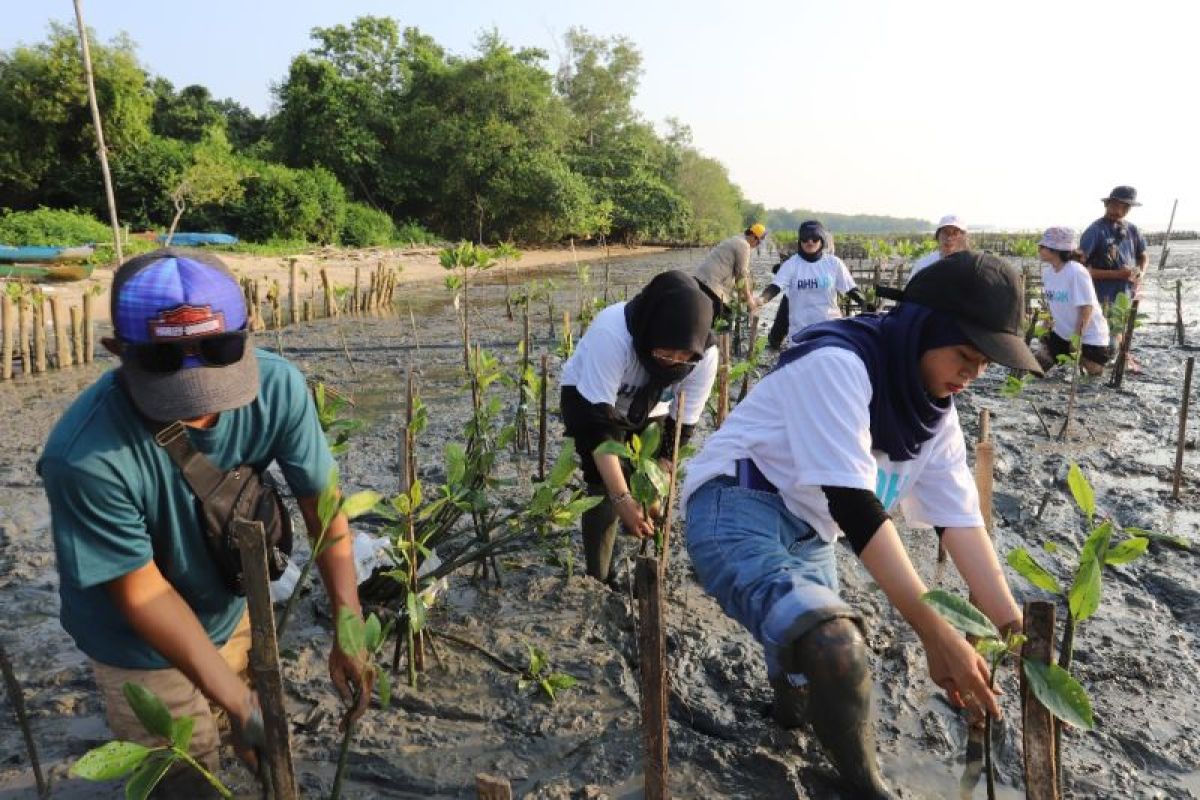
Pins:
x,y
789,708
834,657
599,526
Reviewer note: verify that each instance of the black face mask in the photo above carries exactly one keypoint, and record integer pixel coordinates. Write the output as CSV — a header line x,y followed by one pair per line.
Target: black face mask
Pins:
x,y
672,313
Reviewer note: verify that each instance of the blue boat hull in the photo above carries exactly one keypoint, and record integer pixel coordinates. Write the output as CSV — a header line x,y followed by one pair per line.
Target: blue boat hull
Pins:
x,y
198,239
43,255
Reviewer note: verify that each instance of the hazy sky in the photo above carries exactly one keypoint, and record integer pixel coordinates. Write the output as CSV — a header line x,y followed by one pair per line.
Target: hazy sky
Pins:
x,y
1018,114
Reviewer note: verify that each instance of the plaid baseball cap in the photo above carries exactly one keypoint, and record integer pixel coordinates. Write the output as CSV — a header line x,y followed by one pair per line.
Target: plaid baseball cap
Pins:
x,y
176,295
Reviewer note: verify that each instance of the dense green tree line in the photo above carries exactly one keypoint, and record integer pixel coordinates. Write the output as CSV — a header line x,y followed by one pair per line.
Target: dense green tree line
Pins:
x,y
374,124
783,219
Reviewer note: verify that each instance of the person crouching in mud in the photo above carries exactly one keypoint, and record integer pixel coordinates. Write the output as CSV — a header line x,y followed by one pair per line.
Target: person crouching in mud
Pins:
x,y
857,417
634,355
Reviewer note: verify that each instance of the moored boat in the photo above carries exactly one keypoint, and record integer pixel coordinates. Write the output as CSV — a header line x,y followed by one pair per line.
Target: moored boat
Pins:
x,y
199,239
38,254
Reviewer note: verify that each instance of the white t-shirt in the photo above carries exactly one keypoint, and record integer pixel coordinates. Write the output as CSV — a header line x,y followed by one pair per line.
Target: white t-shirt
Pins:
x,y
1065,291
812,289
605,369
808,425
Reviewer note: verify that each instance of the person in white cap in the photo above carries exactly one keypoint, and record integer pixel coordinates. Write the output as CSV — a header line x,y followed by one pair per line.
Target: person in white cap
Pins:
x,y
951,236
1071,298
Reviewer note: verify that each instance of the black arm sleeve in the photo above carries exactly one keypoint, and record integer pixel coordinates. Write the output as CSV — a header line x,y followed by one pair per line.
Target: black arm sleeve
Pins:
x,y
769,292
666,444
855,295
857,512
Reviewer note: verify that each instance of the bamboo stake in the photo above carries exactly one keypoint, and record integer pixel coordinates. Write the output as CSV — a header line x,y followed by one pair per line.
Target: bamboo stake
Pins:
x,y
293,290
652,647
355,301
39,334
264,657
665,551
1041,757
89,330
22,335
1182,437
16,698
985,457
62,344
723,381
1179,313
545,390
330,307
101,150
6,336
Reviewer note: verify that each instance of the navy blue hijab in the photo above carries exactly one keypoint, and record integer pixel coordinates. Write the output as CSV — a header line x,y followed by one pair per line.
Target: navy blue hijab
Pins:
x,y
903,415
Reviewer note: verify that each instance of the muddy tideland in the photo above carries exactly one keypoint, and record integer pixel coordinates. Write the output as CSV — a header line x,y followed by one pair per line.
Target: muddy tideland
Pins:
x,y
1138,656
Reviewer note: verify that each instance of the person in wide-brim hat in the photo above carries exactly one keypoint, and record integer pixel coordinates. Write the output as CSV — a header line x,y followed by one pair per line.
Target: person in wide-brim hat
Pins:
x,y
857,419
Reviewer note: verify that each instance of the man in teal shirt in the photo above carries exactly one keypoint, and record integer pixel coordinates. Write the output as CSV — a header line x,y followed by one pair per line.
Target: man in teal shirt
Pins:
x,y
141,595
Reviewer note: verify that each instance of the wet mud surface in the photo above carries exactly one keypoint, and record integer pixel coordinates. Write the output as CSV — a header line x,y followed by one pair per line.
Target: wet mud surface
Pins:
x,y
1138,657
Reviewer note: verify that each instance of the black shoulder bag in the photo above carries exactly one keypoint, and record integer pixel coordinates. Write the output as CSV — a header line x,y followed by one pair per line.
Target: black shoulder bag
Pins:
x,y
221,498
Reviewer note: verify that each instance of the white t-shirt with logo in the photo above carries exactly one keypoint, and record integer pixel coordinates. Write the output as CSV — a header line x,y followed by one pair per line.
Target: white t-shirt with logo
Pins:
x,y
812,289
1065,291
605,369
808,425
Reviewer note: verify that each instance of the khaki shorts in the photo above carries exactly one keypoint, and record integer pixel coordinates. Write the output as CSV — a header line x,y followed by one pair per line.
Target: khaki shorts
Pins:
x,y
178,693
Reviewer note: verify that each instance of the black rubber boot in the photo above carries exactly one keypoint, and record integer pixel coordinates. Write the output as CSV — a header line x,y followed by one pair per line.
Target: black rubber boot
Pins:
x,y
599,525
790,706
834,657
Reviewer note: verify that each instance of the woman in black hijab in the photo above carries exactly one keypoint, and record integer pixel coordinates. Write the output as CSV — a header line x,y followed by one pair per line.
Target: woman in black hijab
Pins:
x,y
634,359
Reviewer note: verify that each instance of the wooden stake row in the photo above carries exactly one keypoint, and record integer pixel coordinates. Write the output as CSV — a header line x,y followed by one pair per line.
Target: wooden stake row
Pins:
x,y
378,295
23,334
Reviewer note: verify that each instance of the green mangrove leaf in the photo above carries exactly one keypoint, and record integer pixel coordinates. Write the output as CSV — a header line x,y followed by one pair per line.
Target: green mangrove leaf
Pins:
x,y
181,732
327,502
360,503
150,711
961,614
1081,490
537,660
456,463
1126,551
1030,570
651,438
1050,547
351,632
991,649
416,611
609,447
642,488
564,465
372,633
148,774
657,475
1178,542
1060,693
385,688
1084,597
110,761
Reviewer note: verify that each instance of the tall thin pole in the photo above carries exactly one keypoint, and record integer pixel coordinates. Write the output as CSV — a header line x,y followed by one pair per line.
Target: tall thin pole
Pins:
x,y
101,150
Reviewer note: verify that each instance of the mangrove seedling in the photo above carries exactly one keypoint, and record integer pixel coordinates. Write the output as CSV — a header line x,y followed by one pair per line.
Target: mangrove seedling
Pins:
x,y
144,765
330,503
539,675
648,482
362,640
506,253
336,425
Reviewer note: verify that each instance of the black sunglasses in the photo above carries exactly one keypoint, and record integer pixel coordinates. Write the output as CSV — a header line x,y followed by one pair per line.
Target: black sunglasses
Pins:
x,y
812,239
218,350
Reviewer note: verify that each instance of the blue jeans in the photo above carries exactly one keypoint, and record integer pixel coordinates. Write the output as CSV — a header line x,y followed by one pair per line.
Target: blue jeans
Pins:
x,y
767,568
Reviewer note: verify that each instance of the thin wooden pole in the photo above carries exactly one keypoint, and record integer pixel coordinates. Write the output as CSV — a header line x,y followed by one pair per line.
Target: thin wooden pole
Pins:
x,y
1041,757
101,150
16,698
652,652
542,414
23,335
77,334
327,288
89,330
1182,437
294,290
723,381
39,333
264,657
63,356
1179,330
985,459
7,325
665,552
